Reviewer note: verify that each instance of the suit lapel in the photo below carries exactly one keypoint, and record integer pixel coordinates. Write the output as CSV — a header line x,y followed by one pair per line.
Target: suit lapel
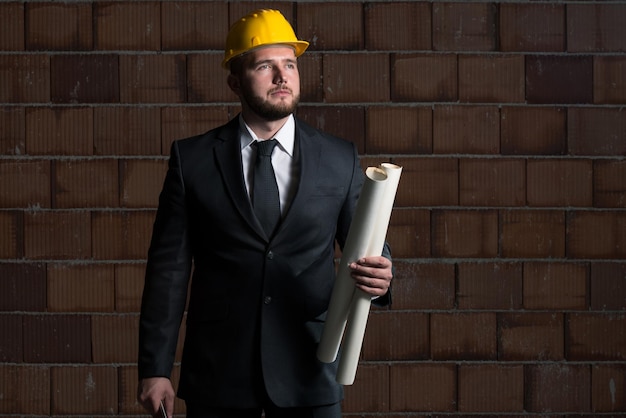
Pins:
x,y
228,157
309,153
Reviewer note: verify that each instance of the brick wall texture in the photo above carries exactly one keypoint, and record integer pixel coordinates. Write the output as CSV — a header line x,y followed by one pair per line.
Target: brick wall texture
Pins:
x,y
509,227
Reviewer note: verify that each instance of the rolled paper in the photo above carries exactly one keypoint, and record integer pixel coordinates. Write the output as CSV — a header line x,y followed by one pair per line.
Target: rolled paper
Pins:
x,y
353,339
361,301
359,236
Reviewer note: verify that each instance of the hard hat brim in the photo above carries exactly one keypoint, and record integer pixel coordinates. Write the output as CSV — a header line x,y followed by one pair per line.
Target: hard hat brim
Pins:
x,y
298,46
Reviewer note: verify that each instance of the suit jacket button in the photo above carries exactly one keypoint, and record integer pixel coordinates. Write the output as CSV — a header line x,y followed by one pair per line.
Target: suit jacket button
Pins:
x,y
267,300
270,255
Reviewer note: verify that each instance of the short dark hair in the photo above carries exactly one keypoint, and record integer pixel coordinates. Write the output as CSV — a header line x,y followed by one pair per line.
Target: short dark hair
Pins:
x,y
238,63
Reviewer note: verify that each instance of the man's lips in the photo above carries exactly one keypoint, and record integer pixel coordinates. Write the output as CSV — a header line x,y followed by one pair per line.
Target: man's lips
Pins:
x,y
281,92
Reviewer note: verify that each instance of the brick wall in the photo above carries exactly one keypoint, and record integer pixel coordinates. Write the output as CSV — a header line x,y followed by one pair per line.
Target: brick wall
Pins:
x,y
509,231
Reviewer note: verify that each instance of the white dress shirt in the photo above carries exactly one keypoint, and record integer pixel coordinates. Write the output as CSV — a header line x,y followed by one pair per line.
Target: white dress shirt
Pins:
x,y
284,162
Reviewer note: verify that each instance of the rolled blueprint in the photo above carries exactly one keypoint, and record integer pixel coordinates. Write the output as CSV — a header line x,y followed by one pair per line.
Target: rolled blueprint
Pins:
x,y
361,301
359,236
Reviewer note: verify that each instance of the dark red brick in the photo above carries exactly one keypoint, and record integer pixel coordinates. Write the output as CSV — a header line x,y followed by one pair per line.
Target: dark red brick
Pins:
x,y
59,26
129,280
423,286
492,182
437,383
113,124
127,25
86,390
558,387
183,122
370,84
424,78
311,79
596,27
609,183
409,233
608,388
396,336
22,287
596,131
141,182
493,286
560,183
463,336
559,79
464,26
203,86
153,78
411,26
84,79
596,235
57,339
24,78
532,27
556,286
341,121
428,182
12,26
74,180
80,288
533,130
491,78
457,233
59,131
370,390
11,348
11,240
331,26
608,292
466,130
595,336
122,235
609,80
57,235
531,337
25,184
13,124
190,25
392,130
25,389
529,233
115,338
491,388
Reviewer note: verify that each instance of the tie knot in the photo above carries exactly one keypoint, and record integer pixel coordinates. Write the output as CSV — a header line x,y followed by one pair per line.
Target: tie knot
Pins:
x,y
265,147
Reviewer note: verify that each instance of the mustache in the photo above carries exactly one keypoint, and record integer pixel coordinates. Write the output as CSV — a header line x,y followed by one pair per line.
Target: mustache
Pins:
x,y
280,88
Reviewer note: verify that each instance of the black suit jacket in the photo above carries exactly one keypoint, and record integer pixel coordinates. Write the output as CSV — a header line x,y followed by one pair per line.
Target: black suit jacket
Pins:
x,y
256,305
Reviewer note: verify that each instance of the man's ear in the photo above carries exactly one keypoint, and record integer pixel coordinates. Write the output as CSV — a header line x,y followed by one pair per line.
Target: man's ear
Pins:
x,y
234,83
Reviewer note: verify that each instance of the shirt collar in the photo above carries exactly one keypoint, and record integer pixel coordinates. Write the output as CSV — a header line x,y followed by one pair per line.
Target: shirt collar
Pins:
x,y
285,135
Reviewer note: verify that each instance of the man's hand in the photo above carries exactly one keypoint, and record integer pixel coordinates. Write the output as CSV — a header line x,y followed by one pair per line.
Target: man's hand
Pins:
x,y
154,390
372,274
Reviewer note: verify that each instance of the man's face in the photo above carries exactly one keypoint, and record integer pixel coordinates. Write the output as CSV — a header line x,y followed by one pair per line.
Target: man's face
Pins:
x,y
270,82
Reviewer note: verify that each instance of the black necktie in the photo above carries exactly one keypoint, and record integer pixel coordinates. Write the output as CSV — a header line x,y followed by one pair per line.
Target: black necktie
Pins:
x,y
265,198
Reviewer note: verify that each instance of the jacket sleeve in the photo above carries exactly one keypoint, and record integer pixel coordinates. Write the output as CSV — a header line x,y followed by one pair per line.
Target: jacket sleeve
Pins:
x,y
167,276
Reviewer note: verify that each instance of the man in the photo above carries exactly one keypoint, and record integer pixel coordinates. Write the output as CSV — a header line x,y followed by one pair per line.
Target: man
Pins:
x,y
259,293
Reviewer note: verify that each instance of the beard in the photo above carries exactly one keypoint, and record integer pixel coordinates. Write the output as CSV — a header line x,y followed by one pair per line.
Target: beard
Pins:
x,y
266,110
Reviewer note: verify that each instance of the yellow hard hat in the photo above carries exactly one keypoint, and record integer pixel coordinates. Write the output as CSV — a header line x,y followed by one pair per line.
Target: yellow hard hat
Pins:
x,y
260,28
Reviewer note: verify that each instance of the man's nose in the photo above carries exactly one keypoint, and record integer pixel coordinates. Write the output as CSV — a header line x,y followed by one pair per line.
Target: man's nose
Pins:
x,y
279,76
